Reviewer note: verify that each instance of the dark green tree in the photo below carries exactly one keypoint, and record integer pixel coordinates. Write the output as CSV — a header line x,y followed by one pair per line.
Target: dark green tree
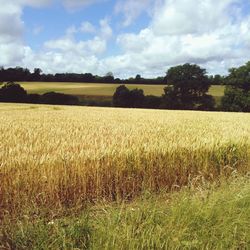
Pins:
x,y
236,100
12,92
136,98
59,99
152,102
217,80
240,77
237,93
109,77
37,74
125,98
121,97
187,87
138,78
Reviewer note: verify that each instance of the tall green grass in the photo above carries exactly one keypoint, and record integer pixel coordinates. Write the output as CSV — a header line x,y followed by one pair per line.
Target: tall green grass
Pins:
x,y
197,218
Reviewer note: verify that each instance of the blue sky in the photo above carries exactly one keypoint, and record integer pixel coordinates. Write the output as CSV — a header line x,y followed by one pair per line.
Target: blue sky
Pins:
x,y
51,22
125,37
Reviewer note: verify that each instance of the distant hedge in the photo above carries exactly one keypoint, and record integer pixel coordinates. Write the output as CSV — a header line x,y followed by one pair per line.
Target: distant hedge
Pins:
x,y
13,92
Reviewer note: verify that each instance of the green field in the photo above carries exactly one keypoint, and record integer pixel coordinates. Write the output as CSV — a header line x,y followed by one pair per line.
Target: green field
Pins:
x,y
99,89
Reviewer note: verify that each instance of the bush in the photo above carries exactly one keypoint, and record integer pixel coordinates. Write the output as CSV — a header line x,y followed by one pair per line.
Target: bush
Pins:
x,y
206,103
34,98
125,98
12,92
152,102
236,100
59,99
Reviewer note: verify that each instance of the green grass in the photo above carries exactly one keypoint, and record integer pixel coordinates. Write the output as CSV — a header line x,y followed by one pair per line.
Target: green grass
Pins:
x,y
99,89
208,217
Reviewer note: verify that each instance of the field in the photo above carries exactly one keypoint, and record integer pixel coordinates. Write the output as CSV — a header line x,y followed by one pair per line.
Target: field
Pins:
x,y
103,178
98,89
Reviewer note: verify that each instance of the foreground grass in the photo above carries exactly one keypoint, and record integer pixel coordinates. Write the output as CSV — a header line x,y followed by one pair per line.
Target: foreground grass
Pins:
x,y
195,218
99,89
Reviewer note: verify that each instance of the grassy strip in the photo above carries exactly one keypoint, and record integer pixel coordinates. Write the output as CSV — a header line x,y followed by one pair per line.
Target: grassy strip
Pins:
x,y
203,218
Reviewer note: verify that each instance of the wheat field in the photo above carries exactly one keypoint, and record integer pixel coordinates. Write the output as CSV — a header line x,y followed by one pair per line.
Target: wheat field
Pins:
x,y
61,156
100,89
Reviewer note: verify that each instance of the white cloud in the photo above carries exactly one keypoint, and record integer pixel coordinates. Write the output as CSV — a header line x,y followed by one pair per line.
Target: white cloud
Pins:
x,y
73,5
34,3
58,55
131,9
87,27
52,61
67,54
211,33
12,47
105,29
66,44
189,16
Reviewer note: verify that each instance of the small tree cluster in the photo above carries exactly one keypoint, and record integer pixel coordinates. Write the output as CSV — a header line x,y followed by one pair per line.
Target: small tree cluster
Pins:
x,y
13,92
125,98
135,98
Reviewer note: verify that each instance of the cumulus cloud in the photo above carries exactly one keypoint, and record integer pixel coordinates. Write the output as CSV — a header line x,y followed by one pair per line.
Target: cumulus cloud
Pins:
x,y
58,55
67,54
131,9
214,34
211,33
52,61
189,16
12,47
105,29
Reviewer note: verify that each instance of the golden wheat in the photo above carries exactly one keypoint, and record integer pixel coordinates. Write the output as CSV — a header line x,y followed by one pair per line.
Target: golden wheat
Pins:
x,y
53,155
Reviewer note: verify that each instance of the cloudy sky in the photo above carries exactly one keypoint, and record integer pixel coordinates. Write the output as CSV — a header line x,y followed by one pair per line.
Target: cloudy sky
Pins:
x,y
125,37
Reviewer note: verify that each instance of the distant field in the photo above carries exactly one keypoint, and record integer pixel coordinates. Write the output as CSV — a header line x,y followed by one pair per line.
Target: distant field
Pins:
x,y
99,89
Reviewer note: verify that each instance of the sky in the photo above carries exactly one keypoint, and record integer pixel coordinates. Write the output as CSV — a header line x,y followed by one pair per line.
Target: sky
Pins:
x,y
126,37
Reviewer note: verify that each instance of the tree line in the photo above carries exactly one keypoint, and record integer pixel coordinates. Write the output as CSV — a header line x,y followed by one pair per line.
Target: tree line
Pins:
x,y
25,75
186,88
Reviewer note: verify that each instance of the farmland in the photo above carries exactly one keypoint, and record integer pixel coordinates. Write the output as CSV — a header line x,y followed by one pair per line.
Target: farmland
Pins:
x,y
99,89
74,170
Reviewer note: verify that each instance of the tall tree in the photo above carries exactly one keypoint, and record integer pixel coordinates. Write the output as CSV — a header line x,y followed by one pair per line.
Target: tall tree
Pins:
x,y
237,93
187,87
121,97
